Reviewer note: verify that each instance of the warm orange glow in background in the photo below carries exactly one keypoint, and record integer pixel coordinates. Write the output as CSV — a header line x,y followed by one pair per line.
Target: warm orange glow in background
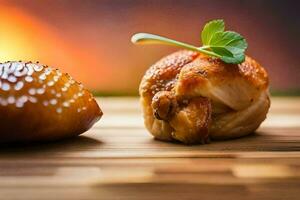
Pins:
x,y
91,39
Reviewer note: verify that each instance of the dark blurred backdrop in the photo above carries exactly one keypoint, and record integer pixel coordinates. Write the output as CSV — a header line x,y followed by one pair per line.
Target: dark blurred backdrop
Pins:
x,y
91,38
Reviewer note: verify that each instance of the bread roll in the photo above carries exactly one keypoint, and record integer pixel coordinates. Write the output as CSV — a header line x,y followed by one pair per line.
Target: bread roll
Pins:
x,y
39,103
192,98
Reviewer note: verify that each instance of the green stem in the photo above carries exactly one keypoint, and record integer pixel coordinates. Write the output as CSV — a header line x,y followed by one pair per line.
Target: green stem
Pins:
x,y
147,38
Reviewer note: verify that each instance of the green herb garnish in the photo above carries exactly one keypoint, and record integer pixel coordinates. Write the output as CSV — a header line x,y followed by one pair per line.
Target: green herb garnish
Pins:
x,y
229,46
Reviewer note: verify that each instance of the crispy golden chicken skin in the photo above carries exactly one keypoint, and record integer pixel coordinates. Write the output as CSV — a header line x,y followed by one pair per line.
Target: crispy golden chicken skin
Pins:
x,y
191,97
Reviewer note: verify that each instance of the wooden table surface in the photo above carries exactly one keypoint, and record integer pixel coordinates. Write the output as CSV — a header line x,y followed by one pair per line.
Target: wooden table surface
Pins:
x,y
118,159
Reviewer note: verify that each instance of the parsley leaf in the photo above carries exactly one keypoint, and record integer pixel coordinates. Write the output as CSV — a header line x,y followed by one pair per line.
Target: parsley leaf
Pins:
x,y
229,46
210,29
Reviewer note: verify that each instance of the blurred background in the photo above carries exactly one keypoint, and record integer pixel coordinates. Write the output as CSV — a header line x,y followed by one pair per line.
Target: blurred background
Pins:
x,y
90,39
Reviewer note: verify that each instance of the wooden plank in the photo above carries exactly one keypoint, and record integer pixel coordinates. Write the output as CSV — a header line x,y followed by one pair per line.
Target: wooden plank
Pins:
x,y
118,159
137,143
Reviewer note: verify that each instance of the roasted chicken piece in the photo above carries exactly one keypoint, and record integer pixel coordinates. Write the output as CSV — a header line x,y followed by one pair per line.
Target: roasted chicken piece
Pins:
x,y
192,98
39,103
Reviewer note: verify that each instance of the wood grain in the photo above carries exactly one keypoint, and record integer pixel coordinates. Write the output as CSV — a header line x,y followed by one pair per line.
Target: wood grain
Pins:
x,y
118,159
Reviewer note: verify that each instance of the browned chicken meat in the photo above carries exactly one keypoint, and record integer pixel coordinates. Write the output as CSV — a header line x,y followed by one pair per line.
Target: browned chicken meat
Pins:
x,y
192,98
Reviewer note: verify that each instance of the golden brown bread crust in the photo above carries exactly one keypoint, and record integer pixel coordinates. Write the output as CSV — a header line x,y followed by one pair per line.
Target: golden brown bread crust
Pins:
x,y
218,72
38,103
162,75
192,121
188,76
164,105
